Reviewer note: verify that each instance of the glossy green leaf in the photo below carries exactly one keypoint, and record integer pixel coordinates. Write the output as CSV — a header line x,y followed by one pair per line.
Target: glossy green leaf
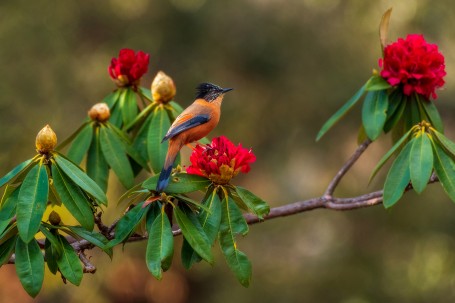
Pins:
x,y
97,168
258,206
30,266
398,177
444,167
128,224
8,210
112,98
146,93
448,145
160,246
15,171
140,141
68,263
11,231
73,198
95,238
7,249
233,223
432,114
374,113
389,154
115,155
141,117
157,130
180,183
397,105
341,112
81,144
377,83
71,138
421,162
128,106
51,255
53,239
152,214
31,202
195,235
80,178
209,220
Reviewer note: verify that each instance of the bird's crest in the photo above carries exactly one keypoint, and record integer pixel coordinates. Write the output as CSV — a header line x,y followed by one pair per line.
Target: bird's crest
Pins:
x,y
208,91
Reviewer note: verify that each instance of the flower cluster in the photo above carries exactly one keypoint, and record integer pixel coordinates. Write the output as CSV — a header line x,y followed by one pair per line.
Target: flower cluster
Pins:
x,y
414,64
220,161
129,67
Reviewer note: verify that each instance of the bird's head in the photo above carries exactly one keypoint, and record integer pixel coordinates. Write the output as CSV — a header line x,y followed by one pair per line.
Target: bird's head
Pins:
x,y
210,92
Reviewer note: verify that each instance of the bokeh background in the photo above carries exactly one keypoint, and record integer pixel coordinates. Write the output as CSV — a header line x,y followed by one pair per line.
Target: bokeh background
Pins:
x,y
292,64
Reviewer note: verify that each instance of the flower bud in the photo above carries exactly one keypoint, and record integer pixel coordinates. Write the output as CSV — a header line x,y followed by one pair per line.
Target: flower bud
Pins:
x,y
54,218
163,88
46,140
99,112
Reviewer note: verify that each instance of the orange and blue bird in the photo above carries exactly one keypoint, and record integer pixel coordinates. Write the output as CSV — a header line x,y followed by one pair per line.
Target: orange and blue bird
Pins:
x,y
194,123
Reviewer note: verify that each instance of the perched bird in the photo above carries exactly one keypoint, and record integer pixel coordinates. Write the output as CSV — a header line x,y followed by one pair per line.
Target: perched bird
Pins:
x,y
194,123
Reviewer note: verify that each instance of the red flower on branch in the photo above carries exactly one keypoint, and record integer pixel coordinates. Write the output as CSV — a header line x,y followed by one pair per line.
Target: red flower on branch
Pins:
x,y
220,161
415,65
129,67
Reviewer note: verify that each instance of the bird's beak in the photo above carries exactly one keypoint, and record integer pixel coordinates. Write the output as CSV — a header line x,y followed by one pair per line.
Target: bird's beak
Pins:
x,y
225,90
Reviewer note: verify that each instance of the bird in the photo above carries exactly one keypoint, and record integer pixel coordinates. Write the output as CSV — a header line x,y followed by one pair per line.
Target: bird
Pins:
x,y
194,123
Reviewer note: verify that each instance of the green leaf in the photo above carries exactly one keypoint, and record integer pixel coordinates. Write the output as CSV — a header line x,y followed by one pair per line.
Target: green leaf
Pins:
x,y
174,110
180,183
128,106
115,155
97,168
398,177
448,145
72,136
143,116
389,154
81,144
95,238
30,266
432,114
8,210
374,113
160,246
128,224
209,220
31,202
140,141
53,239
80,178
68,263
341,112
8,233
157,130
444,167
15,171
258,206
51,256
397,105
146,93
6,250
232,223
73,198
377,83
421,162
112,98
195,235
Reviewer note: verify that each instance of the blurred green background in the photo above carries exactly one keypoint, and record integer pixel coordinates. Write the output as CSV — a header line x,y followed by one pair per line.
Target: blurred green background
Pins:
x,y
292,64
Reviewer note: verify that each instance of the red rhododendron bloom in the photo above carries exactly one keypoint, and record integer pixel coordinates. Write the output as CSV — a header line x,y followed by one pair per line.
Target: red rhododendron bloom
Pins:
x,y
415,65
220,161
129,67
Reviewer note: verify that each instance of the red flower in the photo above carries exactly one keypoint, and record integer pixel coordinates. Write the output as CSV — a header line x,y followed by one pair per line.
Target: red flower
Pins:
x,y
129,67
220,161
415,65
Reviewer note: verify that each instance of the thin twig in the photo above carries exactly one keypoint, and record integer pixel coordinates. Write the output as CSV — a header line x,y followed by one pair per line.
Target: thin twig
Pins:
x,y
345,168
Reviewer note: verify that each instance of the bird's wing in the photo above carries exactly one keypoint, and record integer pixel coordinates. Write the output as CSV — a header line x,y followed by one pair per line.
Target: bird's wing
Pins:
x,y
185,122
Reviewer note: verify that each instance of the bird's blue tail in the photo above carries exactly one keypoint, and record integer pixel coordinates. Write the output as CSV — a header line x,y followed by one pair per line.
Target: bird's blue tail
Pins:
x,y
164,178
